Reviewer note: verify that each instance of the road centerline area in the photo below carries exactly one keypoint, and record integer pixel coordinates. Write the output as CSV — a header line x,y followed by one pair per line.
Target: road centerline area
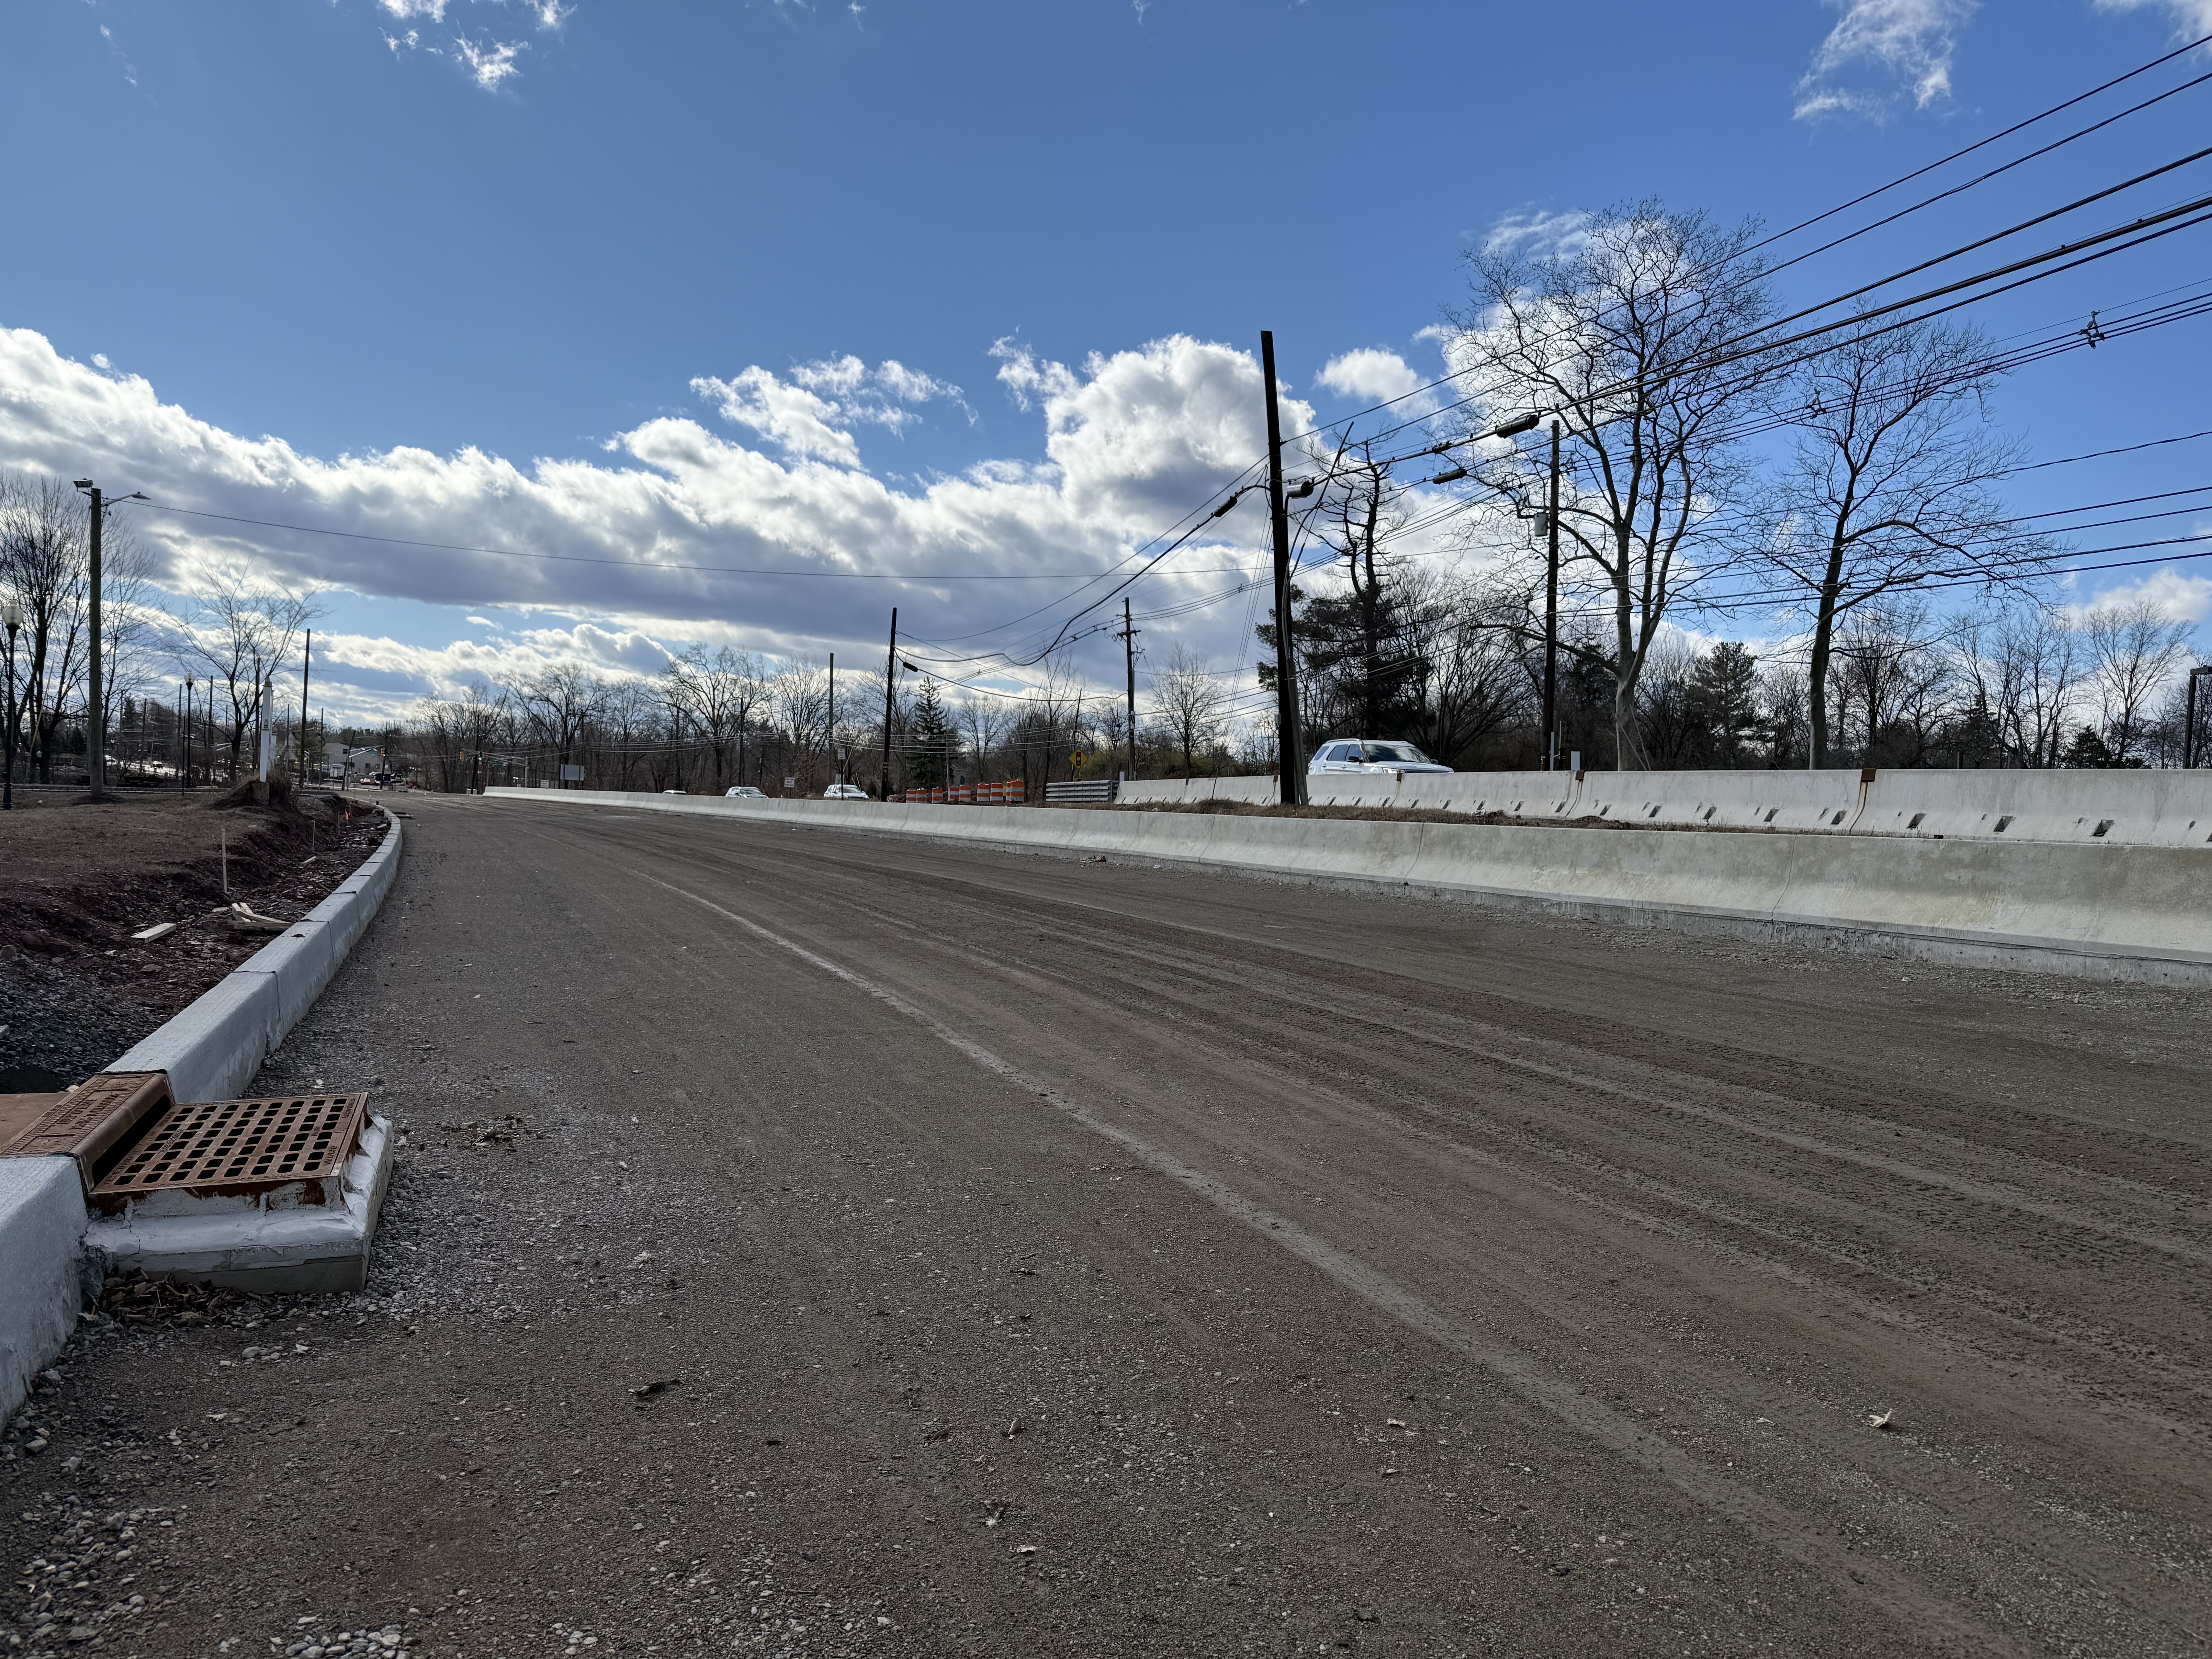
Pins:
x,y
1855,1577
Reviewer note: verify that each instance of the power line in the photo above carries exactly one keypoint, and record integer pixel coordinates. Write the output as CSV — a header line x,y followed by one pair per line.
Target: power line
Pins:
x,y
1803,224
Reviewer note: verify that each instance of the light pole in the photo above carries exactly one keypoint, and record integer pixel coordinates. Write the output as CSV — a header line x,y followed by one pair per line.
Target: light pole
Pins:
x,y
12,614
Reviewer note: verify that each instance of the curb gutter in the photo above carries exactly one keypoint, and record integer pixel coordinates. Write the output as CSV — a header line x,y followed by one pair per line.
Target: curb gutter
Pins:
x,y
211,1052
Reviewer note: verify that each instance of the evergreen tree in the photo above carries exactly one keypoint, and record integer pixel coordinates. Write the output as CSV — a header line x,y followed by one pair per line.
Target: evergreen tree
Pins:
x,y
931,738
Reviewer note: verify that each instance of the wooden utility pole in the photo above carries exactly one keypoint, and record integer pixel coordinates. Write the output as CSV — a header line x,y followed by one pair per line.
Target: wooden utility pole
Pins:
x,y
890,679
307,666
1129,650
1552,616
1288,748
95,722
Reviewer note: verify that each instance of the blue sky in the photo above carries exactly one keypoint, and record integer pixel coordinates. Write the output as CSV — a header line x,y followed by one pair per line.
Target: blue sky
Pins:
x,y
967,286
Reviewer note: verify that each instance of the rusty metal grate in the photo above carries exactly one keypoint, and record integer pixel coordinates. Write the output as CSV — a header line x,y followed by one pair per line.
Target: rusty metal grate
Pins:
x,y
95,1123
242,1146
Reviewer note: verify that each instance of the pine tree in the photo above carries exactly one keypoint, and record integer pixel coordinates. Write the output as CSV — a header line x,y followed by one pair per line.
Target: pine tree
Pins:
x,y
932,738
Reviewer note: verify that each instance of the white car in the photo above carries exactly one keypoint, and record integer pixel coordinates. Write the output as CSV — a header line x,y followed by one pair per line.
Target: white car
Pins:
x,y
844,792
743,792
1370,755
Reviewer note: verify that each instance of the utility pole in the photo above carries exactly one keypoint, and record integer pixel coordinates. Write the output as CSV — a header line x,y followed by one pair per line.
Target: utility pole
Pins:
x,y
2189,728
307,662
1551,614
12,614
890,679
1129,650
184,741
1290,760
831,732
96,724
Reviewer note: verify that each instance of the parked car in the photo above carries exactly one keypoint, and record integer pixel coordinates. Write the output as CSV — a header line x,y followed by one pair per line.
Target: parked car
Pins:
x,y
1370,755
844,792
743,792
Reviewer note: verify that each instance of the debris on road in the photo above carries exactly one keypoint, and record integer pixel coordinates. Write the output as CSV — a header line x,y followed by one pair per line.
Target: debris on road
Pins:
x,y
1883,1421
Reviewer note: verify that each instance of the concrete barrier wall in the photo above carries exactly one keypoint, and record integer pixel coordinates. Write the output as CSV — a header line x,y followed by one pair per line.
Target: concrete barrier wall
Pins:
x,y
2137,912
2123,807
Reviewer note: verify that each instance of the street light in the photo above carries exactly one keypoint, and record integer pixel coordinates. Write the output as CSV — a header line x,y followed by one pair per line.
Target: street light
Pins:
x,y
1513,429
11,614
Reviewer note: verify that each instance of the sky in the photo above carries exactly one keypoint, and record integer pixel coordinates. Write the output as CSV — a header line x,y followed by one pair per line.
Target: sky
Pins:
x,y
965,295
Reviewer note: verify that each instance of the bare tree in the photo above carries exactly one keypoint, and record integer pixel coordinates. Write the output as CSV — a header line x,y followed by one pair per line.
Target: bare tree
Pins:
x,y
559,701
42,565
1352,640
1888,485
800,699
1186,698
721,692
2134,650
982,722
246,636
1629,338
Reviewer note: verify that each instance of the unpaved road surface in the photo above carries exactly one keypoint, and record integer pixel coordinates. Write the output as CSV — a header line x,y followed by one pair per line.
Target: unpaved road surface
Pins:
x,y
1037,1256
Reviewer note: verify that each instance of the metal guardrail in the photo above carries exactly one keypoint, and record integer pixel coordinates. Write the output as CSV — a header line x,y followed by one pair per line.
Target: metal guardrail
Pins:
x,y
1079,791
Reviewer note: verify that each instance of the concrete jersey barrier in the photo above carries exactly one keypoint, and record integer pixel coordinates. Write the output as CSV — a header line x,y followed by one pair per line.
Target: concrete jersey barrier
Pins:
x,y
2121,806
2135,911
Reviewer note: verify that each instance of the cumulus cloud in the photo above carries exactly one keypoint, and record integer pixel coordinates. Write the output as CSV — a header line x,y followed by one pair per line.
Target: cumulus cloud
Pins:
x,y
1370,373
1879,51
810,416
1132,441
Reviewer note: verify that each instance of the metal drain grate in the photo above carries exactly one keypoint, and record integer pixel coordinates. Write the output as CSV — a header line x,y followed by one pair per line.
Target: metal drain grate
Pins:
x,y
243,1147
95,1122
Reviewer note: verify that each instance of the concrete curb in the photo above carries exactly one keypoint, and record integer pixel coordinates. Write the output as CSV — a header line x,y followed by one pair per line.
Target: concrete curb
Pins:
x,y
210,1051
41,1229
2101,908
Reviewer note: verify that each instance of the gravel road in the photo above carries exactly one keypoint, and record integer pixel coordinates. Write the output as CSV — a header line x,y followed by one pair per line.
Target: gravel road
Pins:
x,y
808,1242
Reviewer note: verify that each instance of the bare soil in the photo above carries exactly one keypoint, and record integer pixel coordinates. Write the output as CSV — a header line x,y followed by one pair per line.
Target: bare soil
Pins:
x,y
78,878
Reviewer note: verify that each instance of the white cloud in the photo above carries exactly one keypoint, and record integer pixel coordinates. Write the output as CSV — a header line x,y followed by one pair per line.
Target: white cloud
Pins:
x,y
1370,373
812,415
2180,598
2192,18
1133,441
490,63
1900,44
1548,235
